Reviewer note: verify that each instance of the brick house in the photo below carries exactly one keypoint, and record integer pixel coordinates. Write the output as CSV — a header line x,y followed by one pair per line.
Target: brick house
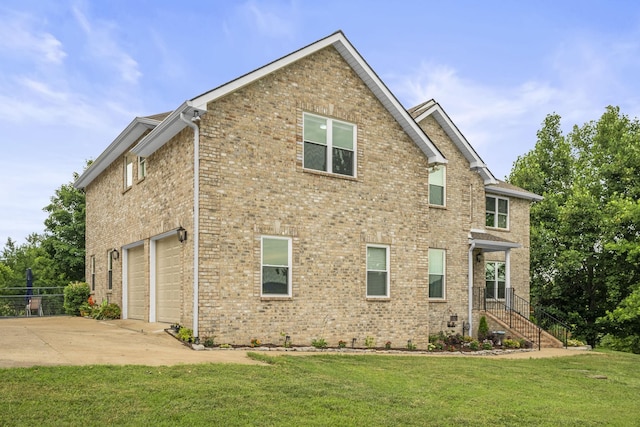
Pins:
x,y
319,208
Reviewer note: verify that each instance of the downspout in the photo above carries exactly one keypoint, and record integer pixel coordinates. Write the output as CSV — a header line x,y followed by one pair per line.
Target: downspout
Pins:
x,y
470,313
196,217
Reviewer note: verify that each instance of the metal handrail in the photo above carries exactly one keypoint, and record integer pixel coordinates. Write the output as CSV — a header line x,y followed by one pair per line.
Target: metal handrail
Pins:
x,y
513,308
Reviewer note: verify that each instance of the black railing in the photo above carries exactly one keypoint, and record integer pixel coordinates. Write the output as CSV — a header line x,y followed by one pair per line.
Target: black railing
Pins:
x,y
13,301
520,315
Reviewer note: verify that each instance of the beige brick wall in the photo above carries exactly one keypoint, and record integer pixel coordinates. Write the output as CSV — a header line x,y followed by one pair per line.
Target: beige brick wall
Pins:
x,y
252,184
157,204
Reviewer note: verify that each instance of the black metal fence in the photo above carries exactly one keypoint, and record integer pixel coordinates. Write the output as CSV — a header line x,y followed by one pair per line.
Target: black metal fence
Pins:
x,y
14,301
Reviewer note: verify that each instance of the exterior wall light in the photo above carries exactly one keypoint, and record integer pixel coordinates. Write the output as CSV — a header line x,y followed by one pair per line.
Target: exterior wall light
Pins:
x,y
182,234
115,254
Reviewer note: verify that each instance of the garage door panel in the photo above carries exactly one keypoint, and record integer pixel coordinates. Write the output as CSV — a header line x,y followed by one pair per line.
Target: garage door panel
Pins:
x,y
168,279
136,283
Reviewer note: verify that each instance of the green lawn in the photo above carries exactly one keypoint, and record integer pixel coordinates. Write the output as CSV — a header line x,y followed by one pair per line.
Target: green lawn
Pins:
x,y
328,390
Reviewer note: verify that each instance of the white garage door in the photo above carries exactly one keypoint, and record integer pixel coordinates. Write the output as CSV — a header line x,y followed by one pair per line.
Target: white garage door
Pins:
x,y
168,279
136,283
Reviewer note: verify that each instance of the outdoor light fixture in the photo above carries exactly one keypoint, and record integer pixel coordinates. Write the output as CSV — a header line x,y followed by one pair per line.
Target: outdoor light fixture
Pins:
x,y
478,258
115,254
182,234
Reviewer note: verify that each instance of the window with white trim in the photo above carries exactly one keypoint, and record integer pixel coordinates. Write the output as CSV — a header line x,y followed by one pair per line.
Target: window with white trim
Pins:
x,y
495,279
128,172
92,267
110,270
329,145
377,271
142,167
437,178
276,266
437,269
497,212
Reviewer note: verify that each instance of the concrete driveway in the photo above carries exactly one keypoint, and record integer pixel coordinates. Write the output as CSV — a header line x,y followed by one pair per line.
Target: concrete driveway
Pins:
x,y
43,341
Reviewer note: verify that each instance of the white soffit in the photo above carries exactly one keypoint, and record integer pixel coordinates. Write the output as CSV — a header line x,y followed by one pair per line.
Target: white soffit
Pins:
x,y
128,136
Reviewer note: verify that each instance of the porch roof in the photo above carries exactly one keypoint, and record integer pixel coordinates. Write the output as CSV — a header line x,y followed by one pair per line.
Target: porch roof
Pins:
x,y
490,243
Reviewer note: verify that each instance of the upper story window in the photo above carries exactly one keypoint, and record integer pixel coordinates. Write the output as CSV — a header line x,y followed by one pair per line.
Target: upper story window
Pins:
x,y
497,212
128,172
329,145
142,167
276,266
377,271
437,268
437,178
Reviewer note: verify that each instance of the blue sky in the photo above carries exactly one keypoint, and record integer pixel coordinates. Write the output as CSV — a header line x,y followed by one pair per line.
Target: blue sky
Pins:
x,y
73,73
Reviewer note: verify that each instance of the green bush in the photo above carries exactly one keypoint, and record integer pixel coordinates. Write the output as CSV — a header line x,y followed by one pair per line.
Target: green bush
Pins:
x,y
185,334
106,311
483,329
75,294
319,343
474,345
509,343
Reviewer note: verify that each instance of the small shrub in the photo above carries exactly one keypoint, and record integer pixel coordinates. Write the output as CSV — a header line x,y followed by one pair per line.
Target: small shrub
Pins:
x,y
510,343
185,334
474,345
208,342
106,311
483,329
431,347
387,345
411,345
342,344
453,340
574,343
370,342
319,343
225,345
75,294
255,342
487,345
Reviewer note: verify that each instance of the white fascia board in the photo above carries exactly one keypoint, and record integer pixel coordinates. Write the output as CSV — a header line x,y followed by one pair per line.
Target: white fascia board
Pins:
x,y
475,162
490,189
166,130
388,100
359,65
119,145
494,246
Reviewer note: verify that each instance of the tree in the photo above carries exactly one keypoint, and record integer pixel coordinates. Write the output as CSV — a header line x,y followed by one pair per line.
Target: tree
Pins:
x,y
585,243
65,232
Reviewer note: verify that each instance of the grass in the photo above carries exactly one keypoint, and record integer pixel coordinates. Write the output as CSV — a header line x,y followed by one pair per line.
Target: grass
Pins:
x,y
332,389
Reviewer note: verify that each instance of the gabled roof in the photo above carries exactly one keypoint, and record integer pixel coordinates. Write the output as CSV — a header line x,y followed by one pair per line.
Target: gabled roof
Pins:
x,y
432,108
505,189
198,105
128,136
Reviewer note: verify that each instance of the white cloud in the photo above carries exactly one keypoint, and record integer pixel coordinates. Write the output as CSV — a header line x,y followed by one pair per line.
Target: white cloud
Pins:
x,y
103,44
271,22
19,36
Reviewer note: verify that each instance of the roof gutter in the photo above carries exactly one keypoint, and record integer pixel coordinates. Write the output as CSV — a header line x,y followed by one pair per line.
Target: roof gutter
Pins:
x,y
196,215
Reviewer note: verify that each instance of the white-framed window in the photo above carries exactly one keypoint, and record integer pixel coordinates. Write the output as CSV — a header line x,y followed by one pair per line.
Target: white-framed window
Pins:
x,y
497,212
275,266
142,167
377,271
437,180
329,145
437,269
128,172
110,270
495,279
92,268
